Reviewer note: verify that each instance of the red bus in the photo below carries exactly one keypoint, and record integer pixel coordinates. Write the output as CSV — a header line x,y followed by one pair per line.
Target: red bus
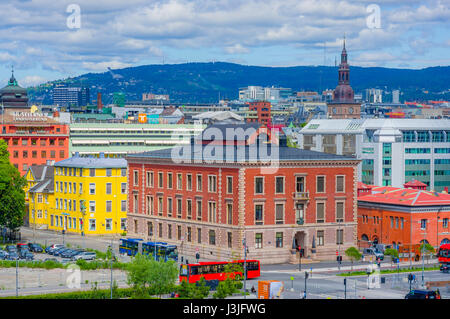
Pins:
x,y
215,270
443,254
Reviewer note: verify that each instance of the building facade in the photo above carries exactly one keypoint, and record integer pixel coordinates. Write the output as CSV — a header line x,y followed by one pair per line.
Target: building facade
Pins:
x,y
89,196
13,95
33,138
392,151
64,95
399,216
210,205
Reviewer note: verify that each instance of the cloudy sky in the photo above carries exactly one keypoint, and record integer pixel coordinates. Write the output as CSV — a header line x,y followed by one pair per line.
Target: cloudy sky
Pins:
x,y
53,39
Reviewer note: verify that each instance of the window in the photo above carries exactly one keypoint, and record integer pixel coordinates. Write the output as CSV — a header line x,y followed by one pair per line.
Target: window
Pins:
x,y
92,206
229,214
160,206
123,224
91,224
199,235
169,206
320,212
279,213
51,220
199,183
108,188
402,222
25,154
135,178
160,232
212,237
229,184
258,240
34,154
61,154
92,172
91,188
43,154
74,188
230,239
108,224
340,184
149,179
123,188
392,222
179,233
445,223
179,181
199,210
279,185
136,203
149,228
136,226
123,205
423,224
339,236
189,208
108,206
160,180
74,205
279,240
52,154
212,212
259,214
320,184
212,183
189,234
123,172
320,238
396,222
179,207
259,185
189,182
339,212
169,231
169,180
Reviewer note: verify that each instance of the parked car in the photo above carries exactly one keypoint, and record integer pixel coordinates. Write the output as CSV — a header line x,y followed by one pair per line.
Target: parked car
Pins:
x,y
86,255
35,248
23,252
70,253
51,248
59,251
52,259
445,267
3,255
381,247
21,245
11,248
422,294
373,252
12,256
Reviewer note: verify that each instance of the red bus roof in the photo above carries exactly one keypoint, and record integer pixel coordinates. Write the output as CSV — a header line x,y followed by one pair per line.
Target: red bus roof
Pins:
x,y
445,246
220,262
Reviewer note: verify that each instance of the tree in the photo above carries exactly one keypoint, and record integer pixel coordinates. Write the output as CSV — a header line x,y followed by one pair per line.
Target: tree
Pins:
x,y
150,277
391,252
12,195
354,254
198,290
232,283
427,249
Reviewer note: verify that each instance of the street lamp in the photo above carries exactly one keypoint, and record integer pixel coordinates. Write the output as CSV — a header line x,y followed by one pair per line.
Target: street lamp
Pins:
x,y
244,242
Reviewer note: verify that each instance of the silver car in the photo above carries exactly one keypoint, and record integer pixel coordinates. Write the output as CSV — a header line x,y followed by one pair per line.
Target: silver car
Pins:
x,y
86,255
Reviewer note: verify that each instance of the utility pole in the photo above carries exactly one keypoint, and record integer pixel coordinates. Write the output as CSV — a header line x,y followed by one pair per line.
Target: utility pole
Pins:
x,y
111,283
17,277
245,267
345,288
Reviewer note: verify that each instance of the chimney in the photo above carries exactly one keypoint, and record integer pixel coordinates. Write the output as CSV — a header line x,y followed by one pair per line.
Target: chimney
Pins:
x,y
99,101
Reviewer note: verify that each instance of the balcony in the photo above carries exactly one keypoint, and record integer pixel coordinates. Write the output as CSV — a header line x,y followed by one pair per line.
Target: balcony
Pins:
x,y
301,196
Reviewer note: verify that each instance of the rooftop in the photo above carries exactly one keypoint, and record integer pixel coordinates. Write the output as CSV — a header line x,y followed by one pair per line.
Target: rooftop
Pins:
x,y
405,197
92,162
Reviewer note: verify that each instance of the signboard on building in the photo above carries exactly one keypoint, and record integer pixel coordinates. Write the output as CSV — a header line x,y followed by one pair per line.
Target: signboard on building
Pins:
x,y
29,117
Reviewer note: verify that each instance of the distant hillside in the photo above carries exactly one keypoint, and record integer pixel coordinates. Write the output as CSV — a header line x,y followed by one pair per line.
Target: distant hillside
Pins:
x,y
203,82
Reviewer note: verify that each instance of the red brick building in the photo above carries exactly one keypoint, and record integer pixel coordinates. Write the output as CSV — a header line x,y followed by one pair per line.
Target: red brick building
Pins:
x,y
210,203
263,113
399,216
33,138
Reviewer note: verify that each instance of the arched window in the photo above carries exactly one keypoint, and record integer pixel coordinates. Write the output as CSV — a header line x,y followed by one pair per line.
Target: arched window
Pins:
x,y
445,241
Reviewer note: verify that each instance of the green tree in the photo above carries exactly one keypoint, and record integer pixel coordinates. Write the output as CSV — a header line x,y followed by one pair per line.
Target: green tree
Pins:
x,y
12,195
391,252
353,253
198,290
150,277
232,284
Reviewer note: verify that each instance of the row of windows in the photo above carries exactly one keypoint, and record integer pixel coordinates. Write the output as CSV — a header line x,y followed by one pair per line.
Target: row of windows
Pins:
x,y
212,182
417,173
71,188
442,161
437,150
279,236
34,154
399,222
73,171
34,142
417,162
425,136
71,205
73,223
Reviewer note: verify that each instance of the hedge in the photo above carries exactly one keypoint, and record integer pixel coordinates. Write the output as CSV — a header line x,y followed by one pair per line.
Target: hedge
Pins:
x,y
89,294
51,264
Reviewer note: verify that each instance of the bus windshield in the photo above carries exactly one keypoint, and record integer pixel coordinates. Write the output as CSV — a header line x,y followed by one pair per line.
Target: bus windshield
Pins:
x,y
172,253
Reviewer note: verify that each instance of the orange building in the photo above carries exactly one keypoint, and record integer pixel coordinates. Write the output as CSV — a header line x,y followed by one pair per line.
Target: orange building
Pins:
x,y
33,138
399,216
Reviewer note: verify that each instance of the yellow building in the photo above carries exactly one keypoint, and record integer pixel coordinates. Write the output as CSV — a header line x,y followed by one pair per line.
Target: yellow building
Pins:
x,y
90,196
39,194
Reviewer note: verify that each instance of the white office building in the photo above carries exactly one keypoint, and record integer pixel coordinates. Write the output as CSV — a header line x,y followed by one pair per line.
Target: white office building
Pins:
x,y
392,151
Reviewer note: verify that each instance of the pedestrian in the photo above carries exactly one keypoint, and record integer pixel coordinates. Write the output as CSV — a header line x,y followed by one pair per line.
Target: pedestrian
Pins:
x,y
438,294
253,290
304,294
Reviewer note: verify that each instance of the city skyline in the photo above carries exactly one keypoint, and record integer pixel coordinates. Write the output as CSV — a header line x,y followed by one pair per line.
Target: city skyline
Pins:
x,y
47,41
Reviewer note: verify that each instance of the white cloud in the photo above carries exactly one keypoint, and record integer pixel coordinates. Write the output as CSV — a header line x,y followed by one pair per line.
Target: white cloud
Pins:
x,y
103,66
236,49
32,80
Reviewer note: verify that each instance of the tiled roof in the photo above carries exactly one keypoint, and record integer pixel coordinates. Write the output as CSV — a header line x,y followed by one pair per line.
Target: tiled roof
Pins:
x,y
405,197
92,162
415,182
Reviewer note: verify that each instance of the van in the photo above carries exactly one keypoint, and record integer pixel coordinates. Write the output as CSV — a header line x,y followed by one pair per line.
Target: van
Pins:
x,y
373,252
